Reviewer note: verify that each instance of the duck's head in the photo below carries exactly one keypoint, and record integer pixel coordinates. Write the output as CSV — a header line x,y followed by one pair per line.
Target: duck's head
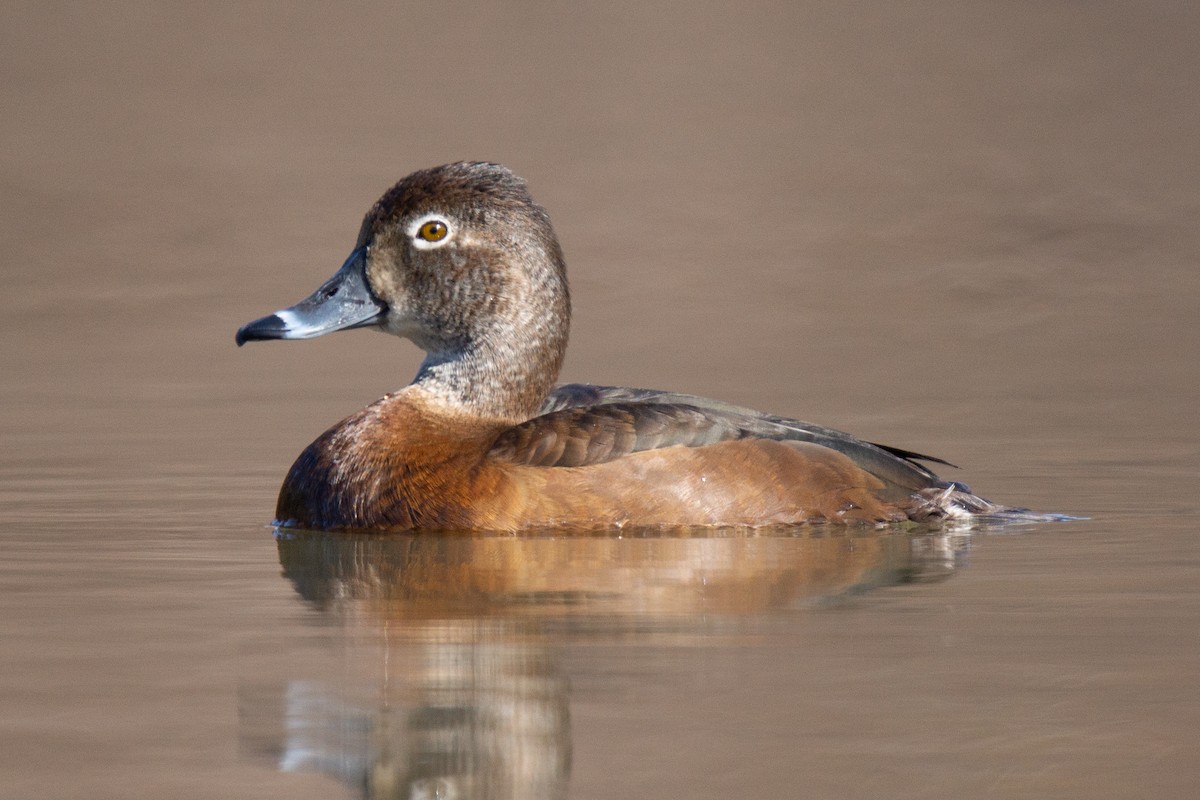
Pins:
x,y
460,260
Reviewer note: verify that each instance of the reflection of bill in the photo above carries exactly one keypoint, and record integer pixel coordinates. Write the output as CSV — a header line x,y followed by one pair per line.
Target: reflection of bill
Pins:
x,y
474,703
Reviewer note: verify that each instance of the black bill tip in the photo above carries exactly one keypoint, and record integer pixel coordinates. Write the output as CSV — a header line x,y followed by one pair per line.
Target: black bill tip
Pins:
x,y
260,330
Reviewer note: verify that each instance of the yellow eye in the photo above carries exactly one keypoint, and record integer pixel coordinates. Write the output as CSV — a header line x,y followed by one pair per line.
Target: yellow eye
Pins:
x,y
433,231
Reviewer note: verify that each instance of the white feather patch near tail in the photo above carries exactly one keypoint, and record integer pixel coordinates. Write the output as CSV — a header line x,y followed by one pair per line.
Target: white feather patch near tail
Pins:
x,y
956,502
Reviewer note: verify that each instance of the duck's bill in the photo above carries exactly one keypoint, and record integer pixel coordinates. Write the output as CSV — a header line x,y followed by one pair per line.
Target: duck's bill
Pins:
x,y
343,302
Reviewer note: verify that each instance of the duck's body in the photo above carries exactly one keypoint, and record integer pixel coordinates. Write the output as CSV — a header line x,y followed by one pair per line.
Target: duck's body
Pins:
x,y
406,463
462,261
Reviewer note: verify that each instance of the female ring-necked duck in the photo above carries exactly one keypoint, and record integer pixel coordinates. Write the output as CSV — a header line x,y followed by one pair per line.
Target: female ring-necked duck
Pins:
x,y
463,262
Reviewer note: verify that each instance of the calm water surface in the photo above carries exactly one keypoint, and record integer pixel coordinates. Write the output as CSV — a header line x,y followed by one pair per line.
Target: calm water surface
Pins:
x,y
964,229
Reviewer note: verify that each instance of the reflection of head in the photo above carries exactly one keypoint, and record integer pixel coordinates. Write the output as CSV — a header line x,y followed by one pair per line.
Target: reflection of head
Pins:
x,y
477,713
494,723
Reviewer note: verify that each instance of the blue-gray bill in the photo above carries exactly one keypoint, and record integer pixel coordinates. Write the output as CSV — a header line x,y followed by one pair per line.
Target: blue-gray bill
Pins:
x,y
343,302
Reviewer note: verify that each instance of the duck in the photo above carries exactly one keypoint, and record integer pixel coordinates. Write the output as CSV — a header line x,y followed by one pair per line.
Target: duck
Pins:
x,y
461,260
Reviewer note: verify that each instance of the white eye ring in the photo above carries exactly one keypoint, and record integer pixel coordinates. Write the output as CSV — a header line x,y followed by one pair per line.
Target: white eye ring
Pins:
x,y
430,231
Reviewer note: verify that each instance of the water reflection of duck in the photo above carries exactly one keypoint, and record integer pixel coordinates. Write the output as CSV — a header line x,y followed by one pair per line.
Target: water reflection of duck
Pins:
x,y
634,583
468,694
463,262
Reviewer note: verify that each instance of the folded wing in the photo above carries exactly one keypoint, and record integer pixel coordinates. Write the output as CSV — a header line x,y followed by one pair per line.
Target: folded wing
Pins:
x,y
582,425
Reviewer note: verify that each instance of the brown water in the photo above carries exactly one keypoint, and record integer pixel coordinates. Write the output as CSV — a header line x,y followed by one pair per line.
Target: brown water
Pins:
x,y
963,228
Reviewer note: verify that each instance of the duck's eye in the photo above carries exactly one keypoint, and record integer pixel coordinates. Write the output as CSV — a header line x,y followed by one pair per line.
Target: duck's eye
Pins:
x,y
433,231
429,231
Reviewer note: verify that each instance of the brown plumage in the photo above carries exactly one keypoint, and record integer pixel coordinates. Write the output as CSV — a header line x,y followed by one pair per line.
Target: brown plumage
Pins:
x,y
463,262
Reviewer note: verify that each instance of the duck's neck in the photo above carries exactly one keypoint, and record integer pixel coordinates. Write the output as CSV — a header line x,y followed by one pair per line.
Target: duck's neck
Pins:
x,y
503,375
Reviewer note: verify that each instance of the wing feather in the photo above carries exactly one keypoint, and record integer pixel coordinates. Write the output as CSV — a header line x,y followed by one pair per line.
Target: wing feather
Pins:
x,y
582,424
